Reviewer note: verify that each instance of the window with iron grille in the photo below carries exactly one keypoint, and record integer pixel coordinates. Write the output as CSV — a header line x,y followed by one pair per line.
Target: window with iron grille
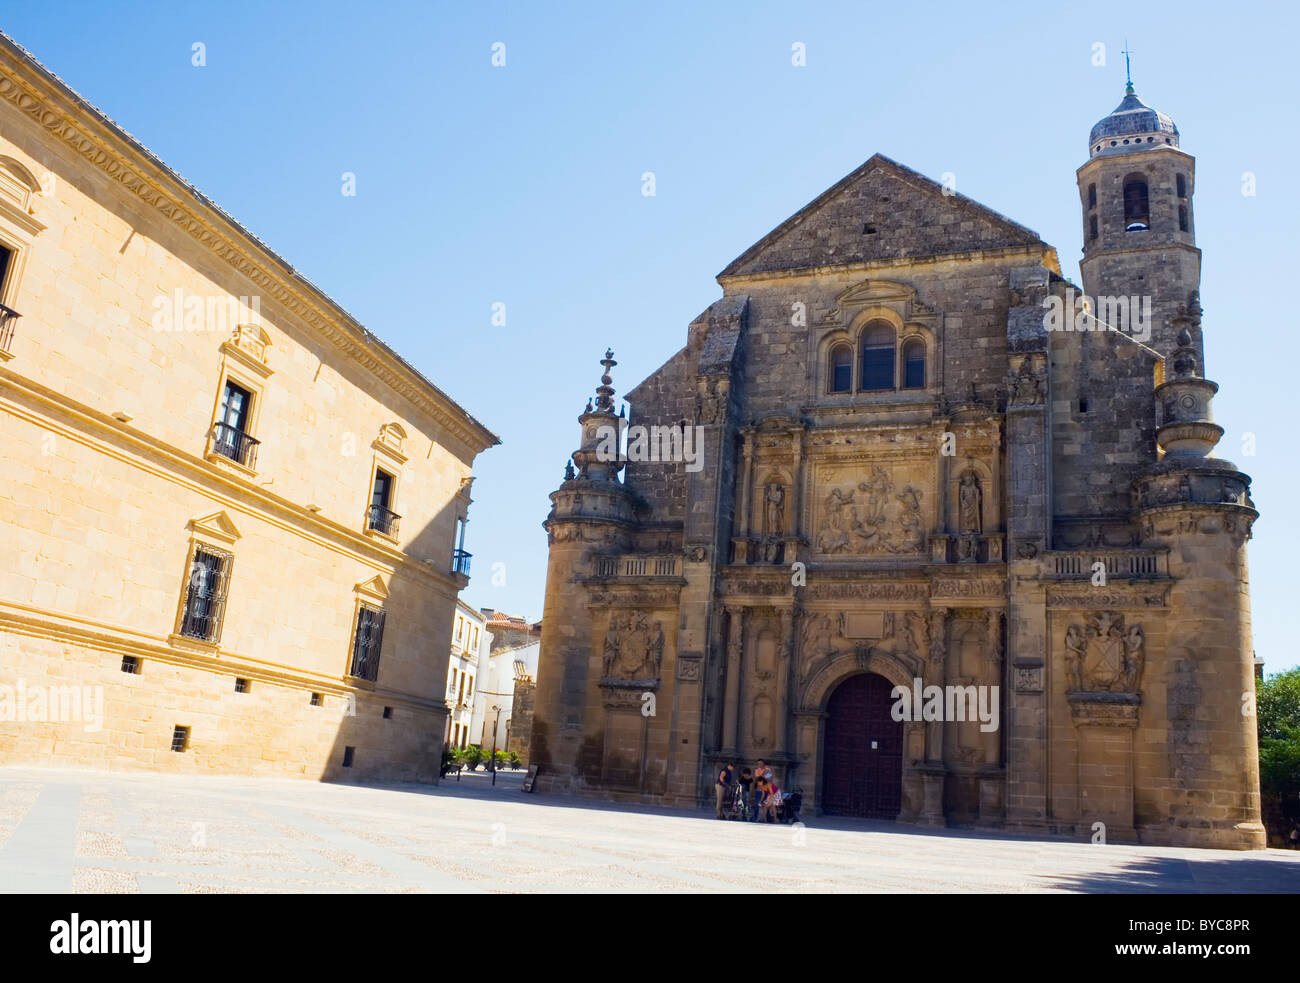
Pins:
x,y
180,738
131,664
316,700
241,685
367,643
205,593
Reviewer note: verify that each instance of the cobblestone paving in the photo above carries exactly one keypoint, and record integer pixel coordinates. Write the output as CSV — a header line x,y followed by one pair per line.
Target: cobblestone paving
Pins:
x,y
95,832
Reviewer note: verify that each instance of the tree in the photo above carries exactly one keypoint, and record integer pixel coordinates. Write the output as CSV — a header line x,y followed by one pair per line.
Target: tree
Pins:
x,y
1277,703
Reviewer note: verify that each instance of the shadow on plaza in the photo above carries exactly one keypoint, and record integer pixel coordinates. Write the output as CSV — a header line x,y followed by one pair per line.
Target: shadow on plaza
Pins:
x,y
1183,874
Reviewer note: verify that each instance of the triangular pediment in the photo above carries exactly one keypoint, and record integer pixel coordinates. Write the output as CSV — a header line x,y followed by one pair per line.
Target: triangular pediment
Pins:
x,y
882,211
374,588
215,526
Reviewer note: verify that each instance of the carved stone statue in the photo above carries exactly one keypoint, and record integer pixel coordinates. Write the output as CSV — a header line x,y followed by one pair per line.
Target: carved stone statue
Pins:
x,y
1075,647
774,509
970,498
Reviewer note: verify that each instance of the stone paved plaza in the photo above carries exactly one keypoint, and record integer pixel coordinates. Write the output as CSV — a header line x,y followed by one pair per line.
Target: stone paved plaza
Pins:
x,y
72,831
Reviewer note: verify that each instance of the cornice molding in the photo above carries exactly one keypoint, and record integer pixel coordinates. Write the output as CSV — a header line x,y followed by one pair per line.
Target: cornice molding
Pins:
x,y
64,115
91,428
34,622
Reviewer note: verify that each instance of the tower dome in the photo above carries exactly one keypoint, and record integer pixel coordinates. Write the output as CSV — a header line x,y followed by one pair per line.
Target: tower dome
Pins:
x,y
1132,126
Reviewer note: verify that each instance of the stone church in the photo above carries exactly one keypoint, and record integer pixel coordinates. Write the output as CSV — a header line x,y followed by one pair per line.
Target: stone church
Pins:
x,y
929,464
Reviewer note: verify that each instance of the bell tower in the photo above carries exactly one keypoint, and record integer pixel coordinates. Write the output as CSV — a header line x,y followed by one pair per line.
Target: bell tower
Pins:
x,y
1139,241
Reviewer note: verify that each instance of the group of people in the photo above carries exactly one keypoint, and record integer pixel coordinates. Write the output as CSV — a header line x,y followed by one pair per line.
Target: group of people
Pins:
x,y
754,795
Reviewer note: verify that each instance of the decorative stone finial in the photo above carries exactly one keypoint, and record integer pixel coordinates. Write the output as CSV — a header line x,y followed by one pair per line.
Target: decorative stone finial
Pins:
x,y
605,391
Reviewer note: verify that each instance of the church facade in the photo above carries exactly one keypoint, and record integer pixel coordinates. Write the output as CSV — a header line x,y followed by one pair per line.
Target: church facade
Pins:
x,y
936,480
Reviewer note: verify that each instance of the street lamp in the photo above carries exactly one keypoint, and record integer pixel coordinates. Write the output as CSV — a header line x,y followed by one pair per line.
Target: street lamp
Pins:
x,y
495,723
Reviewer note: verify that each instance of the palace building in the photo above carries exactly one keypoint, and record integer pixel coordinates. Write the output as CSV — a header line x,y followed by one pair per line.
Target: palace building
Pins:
x,y
929,464
231,518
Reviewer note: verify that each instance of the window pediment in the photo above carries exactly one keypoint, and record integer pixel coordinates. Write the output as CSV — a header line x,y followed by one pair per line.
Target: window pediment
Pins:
x,y
249,346
390,440
374,589
217,527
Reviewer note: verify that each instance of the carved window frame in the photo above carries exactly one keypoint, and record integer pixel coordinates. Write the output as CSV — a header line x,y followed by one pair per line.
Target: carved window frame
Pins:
x,y
214,534
18,229
245,365
369,596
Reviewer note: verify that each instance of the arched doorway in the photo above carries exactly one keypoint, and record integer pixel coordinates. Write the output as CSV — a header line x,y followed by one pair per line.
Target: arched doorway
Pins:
x,y
862,751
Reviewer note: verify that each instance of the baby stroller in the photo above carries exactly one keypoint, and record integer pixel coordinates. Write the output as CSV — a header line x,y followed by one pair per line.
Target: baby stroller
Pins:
x,y
790,806
736,807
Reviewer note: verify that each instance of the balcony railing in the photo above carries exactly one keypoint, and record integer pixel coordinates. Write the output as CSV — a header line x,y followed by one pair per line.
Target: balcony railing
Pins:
x,y
636,566
382,520
460,562
1136,564
235,444
8,319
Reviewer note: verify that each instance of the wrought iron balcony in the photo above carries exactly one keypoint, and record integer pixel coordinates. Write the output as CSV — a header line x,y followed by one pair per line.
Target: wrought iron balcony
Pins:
x,y
460,562
235,444
8,319
382,520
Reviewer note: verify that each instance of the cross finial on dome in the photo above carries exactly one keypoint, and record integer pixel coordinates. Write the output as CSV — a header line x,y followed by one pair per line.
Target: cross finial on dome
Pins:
x,y
1128,70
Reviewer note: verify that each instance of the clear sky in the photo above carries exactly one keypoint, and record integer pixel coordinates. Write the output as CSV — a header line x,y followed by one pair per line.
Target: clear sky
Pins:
x,y
521,185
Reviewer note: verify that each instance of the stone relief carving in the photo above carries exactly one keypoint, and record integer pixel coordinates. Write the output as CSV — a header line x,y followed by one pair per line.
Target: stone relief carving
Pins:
x,y
967,588
709,403
872,524
633,651
688,668
907,638
1026,386
1088,599
873,591
1104,655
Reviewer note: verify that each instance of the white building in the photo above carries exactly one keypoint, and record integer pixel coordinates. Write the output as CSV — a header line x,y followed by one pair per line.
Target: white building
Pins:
x,y
470,643
496,690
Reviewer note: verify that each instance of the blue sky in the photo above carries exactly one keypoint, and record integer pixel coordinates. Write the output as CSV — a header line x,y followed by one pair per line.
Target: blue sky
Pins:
x,y
521,184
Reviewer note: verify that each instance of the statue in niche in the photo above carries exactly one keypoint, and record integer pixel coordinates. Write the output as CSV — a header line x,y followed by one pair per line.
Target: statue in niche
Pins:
x,y
970,497
774,510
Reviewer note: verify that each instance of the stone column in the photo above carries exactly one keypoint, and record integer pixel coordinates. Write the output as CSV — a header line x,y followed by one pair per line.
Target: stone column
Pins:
x,y
784,668
746,480
1028,496
731,705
